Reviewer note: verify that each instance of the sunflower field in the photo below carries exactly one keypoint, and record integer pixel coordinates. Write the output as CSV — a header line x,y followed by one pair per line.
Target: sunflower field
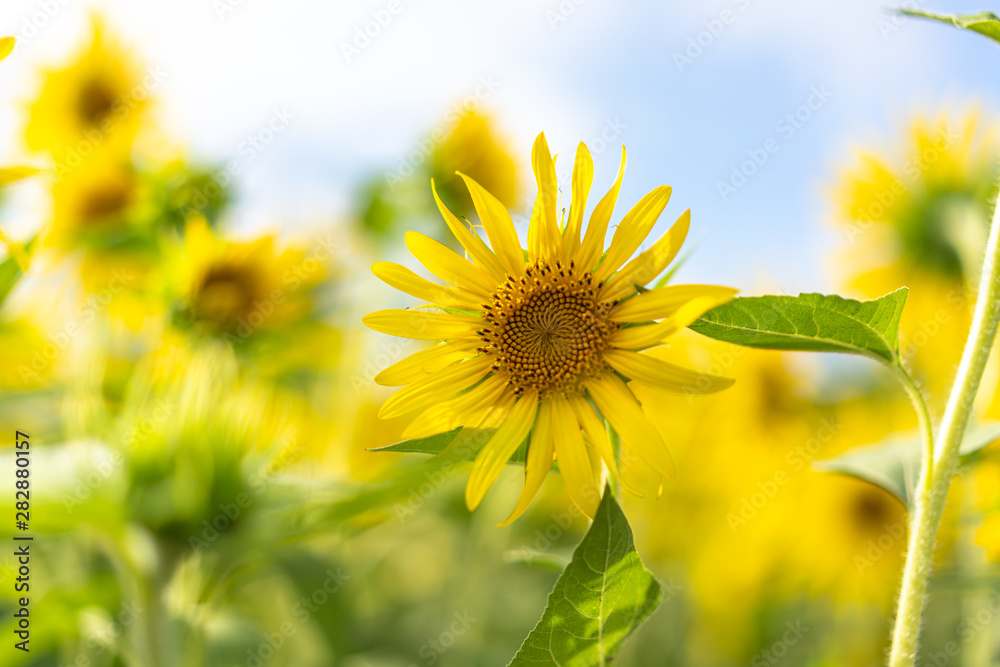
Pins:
x,y
392,334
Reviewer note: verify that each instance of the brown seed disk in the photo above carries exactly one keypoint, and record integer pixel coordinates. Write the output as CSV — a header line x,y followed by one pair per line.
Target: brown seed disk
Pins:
x,y
547,330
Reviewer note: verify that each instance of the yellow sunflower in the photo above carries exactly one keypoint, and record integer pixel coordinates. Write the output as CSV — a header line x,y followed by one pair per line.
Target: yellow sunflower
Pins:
x,y
543,342
94,106
918,216
234,289
473,147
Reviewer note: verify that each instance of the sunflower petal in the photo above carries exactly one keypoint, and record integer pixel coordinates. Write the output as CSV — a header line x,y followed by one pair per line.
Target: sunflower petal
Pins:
x,y
494,456
436,388
405,280
499,227
478,251
593,241
620,407
421,325
422,363
663,374
538,463
596,433
650,263
632,230
665,301
574,462
637,338
543,229
6,46
462,410
448,265
583,178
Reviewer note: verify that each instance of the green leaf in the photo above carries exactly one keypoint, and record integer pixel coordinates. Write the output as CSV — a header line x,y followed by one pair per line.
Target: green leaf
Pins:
x,y
539,559
894,463
603,595
811,323
450,444
985,23
11,270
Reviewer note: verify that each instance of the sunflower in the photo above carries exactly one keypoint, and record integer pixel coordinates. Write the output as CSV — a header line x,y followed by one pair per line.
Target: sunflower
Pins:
x,y
94,106
474,148
234,289
918,216
540,344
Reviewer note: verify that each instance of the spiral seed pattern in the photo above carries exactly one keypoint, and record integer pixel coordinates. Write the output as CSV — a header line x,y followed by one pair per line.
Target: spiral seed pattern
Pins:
x,y
547,329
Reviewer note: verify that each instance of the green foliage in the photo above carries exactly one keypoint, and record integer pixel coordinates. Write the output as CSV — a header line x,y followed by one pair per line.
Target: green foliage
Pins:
x,y
985,23
894,464
811,323
603,595
11,271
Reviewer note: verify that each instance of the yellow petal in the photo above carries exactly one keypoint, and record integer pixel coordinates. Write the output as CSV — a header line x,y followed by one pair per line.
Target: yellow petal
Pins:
x,y
462,410
435,388
649,264
543,229
620,407
421,325
6,46
663,374
583,178
538,463
637,338
419,364
405,280
638,476
665,301
448,265
11,174
574,462
596,433
478,251
633,230
499,227
494,456
593,241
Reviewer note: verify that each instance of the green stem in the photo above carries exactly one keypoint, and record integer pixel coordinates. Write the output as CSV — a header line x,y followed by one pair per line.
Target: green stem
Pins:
x,y
936,472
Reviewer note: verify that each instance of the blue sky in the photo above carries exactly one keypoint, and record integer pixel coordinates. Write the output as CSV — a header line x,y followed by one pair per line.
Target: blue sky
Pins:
x,y
575,69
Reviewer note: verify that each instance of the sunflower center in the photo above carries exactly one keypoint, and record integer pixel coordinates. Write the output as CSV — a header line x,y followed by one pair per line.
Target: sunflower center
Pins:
x,y
95,102
107,200
547,329
225,294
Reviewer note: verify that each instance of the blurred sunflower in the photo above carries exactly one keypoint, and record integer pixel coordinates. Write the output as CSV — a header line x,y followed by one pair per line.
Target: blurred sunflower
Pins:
x,y
92,107
92,205
531,338
473,147
233,289
919,218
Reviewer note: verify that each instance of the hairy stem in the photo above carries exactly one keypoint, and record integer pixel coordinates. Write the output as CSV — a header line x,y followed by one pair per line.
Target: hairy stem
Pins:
x,y
936,472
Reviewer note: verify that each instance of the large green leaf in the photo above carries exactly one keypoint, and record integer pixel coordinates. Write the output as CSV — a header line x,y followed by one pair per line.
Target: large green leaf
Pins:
x,y
985,23
810,322
602,596
894,464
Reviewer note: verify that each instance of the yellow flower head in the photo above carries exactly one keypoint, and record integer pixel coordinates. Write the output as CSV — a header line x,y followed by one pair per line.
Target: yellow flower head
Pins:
x,y
472,147
92,107
93,203
926,209
234,289
542,342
